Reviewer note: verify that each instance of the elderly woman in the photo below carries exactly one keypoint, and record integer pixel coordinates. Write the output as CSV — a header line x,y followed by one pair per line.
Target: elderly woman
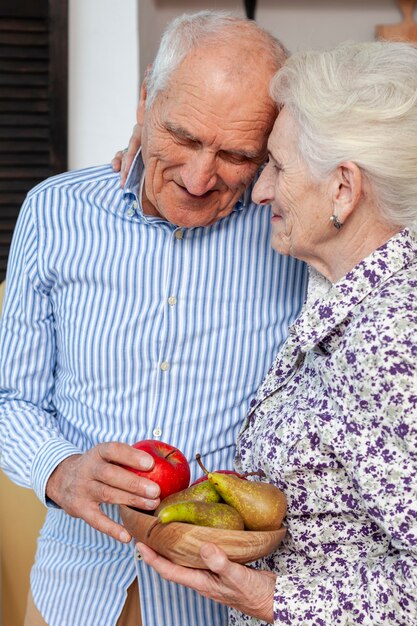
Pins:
x,y
334,424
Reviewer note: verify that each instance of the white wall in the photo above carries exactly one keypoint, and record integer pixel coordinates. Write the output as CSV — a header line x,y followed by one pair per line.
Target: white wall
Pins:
x,y
103,78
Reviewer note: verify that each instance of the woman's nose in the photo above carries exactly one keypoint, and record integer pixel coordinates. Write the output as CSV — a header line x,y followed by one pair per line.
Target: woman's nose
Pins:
x,y
263,191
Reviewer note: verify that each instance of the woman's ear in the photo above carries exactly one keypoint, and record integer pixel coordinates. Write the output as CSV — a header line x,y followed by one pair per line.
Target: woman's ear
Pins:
x,y
140,111
346,189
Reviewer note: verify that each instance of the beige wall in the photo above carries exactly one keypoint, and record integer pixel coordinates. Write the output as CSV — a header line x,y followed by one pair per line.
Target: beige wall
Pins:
x,y
21,518
298,23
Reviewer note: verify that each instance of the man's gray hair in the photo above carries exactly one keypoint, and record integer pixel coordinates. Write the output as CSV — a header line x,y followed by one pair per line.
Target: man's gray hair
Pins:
x,y
358,102
187,32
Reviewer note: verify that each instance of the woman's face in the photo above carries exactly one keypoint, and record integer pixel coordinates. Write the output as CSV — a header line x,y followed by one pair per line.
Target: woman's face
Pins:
x,y
301,206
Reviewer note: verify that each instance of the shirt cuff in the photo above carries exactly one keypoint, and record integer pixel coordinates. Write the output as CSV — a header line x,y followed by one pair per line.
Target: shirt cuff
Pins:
x,y
47,458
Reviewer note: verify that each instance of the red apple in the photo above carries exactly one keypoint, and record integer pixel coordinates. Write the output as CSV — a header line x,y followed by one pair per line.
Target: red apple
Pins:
x,y
171,470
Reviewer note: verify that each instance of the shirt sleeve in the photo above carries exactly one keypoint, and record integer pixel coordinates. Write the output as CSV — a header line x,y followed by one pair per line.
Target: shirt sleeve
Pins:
x,y
375,439
31,445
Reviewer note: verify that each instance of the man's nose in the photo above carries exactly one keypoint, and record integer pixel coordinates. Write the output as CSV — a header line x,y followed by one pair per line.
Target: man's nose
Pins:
x,y
199,175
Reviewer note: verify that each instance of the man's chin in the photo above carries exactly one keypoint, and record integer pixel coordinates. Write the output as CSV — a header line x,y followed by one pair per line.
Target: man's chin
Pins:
x,y
195,218
197,222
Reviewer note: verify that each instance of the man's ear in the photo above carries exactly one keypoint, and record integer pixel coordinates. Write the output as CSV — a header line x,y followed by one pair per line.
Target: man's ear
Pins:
x,y
347,189
140,111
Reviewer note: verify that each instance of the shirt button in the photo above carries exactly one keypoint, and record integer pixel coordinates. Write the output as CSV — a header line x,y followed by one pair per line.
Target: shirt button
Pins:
x,y
157,432
164,366
178,234
130,213
172,300
135,205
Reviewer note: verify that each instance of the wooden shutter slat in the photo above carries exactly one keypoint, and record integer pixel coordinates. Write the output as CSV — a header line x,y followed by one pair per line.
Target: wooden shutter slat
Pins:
x,y
17,25
24,158
33,102
24,106
24,173
24,145
24,119
8,211
23,38
17,52
26,132
23,92
19,185
26,79
9,199
22,66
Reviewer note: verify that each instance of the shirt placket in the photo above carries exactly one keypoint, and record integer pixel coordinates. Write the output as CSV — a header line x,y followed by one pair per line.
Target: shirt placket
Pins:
x,y
169,340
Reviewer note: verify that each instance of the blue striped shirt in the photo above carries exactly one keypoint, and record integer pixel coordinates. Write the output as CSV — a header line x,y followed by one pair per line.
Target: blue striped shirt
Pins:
x,y
119,326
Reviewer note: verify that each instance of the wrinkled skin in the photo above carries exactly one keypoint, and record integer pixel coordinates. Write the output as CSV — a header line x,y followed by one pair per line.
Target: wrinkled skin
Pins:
x,y
202,141
82,482
248,590
302,207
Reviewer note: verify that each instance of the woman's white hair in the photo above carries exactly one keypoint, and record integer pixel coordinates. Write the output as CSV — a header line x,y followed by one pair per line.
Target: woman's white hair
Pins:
x,y
358,102
187,32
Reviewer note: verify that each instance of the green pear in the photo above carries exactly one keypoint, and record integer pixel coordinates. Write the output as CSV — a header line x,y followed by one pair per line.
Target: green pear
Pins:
x,y
213,514
261,505
201,492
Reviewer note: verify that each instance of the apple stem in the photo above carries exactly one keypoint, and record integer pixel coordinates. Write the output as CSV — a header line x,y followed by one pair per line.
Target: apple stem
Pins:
x,y
169,453
199,461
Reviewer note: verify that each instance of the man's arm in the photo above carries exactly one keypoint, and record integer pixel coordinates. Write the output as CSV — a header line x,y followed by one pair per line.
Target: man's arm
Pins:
x,y
34,452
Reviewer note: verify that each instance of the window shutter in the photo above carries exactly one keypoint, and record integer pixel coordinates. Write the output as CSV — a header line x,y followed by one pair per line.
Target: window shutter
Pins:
x,y
33,103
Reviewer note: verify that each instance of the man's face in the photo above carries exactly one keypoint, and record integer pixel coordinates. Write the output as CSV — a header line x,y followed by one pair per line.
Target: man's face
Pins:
x,y
204,138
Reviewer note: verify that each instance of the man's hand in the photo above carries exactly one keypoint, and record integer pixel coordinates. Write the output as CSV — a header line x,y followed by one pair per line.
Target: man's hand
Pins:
x,y
246,589
82,482
123,158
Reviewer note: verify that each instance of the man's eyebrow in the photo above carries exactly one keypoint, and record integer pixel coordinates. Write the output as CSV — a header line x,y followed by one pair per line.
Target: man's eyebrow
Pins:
x,y
247,154
179,131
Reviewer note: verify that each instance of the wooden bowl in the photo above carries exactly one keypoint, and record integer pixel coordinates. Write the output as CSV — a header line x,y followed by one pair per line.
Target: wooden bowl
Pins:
x,y
181,543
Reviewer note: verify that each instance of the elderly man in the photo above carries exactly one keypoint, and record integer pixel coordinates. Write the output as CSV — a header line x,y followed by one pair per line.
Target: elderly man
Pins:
x,y
143,313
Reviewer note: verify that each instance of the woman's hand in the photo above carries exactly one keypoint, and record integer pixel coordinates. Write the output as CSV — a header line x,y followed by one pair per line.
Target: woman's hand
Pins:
x,y
123,159
248,590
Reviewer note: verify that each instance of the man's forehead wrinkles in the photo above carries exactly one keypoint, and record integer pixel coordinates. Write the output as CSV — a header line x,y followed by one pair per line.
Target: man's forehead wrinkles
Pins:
x,y
180,131
183,133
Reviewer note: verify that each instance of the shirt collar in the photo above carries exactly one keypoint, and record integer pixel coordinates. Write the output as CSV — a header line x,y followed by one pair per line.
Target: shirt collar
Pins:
x,y
329,310
134,183
134,178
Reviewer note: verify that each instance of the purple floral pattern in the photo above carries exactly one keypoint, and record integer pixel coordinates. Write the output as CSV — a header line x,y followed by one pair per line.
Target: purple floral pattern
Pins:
x,y
334,425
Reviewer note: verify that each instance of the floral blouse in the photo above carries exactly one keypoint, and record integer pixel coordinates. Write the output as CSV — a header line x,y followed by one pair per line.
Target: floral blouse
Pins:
x,y
334,425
